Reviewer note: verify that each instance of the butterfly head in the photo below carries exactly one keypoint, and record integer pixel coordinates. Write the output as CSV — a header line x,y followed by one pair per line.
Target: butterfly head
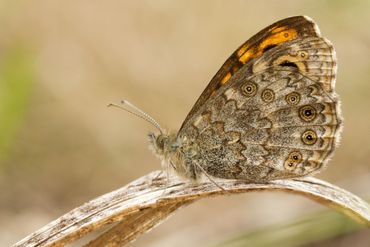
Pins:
x,y
163,144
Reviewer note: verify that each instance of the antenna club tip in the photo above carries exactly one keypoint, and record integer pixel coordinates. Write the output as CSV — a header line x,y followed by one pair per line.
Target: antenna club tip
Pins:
x,y
110,104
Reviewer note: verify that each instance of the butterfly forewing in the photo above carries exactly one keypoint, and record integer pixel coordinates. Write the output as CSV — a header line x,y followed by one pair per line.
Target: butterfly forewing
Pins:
x,y
271,111
276,34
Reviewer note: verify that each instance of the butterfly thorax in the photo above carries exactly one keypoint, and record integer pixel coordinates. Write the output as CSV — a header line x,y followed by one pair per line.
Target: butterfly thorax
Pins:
x,y
175,152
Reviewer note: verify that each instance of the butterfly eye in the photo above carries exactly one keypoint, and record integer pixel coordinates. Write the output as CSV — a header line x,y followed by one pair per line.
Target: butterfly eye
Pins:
x,y
309,137
307,113
268,95
249,89
293,98
160,142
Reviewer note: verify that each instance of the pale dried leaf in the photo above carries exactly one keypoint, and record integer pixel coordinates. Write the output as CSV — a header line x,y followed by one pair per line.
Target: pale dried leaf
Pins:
x,y
138,207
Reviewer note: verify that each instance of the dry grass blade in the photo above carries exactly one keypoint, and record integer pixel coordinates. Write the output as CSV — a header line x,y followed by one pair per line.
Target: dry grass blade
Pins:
x,y
144,203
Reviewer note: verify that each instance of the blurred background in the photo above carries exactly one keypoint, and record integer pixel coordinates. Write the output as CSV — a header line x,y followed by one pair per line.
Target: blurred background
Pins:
x,y
61,62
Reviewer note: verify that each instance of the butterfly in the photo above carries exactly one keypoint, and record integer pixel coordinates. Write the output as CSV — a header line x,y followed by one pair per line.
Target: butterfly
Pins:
x,y
270,112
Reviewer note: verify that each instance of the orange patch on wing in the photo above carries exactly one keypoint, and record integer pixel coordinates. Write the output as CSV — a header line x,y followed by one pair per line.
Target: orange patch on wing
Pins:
x,y
226,78
277,29
247,56
278,38
278,35
242,49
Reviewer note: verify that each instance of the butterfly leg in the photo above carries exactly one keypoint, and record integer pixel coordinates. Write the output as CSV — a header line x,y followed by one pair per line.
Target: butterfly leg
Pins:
x,y
209,177
158,175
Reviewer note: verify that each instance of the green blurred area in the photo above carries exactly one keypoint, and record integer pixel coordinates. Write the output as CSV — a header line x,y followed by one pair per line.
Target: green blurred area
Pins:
x,y
16,79
312,230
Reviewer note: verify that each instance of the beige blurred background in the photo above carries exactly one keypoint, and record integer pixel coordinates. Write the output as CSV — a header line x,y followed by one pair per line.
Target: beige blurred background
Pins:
x,y
61,62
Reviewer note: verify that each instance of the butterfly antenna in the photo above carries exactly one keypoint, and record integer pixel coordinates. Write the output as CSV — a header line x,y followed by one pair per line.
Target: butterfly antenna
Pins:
x,y
139,113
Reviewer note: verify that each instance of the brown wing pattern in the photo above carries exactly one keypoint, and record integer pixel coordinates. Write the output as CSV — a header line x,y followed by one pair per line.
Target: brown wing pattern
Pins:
x,y
270,112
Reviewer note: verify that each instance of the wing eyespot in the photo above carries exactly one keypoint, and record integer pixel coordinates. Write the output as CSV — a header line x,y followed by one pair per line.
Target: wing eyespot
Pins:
x,y
268,95
293,98
303,54
307,113
309,137
249,89
294,158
